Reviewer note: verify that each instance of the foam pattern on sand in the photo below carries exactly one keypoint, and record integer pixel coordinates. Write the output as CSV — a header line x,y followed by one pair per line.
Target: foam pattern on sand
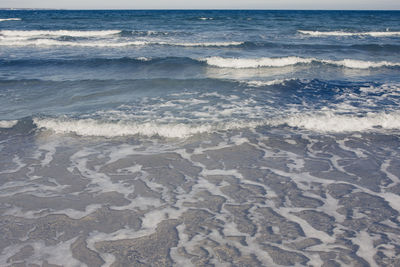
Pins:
x,y
262,201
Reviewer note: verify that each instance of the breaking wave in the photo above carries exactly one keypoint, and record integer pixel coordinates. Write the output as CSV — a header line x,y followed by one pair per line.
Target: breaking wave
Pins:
x,y
360,64
327,122
242,63
266,83
10,19
341,33
7,124
336,123
50,42
91,127
59,33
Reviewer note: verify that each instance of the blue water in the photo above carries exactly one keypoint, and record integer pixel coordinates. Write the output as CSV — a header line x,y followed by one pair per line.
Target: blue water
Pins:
x,y
268,136
76,63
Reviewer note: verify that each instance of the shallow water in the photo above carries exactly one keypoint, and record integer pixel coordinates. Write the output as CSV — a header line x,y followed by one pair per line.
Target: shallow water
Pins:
x,y
199,138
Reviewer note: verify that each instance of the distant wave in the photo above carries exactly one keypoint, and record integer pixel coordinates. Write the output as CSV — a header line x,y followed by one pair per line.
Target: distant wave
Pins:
x,y
360,64
201,43
394,48
218,62
242,63
111,43
10,19
341,33
138,33
267,83
108,38
59,33
51,42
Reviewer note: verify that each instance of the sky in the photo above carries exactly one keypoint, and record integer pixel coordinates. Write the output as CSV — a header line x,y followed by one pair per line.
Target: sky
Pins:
x,y
204,4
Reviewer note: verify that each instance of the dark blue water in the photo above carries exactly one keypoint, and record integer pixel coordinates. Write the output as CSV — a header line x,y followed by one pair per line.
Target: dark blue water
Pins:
x,y
204,138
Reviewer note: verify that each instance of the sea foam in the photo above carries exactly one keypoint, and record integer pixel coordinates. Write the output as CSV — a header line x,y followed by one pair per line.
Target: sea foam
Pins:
x,y
107,39
266,83
243,63
341,33
360,64
8,124
42,33
109,129
202,43
10,19
326,122
239,63
91,127
336,123
52,42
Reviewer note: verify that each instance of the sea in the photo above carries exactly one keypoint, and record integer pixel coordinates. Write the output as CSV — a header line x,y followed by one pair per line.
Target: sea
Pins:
x,y
199,138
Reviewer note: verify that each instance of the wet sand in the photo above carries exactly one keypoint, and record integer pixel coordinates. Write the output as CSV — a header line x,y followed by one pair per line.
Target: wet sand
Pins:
x,y
239,198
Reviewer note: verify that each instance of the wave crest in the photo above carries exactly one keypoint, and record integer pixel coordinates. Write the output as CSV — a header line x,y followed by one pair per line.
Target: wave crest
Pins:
x,y
360,64
10,19
326,122
45,41
337,123
91,127
243,63
7,124
341,33
59,33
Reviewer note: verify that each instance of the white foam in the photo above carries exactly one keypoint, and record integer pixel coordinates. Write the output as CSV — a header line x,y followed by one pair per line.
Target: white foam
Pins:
x,y
19,165
183,241
366,248
326,121
39,33
8,124
330,122
78,214
384,168
266,83
245,63
10,19
143,59
361,64
203,44
242,63
44,41
100,182
90,127
55,254
51,42
141,203
341,33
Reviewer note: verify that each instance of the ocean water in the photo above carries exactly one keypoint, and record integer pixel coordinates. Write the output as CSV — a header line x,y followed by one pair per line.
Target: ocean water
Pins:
x,y
199,138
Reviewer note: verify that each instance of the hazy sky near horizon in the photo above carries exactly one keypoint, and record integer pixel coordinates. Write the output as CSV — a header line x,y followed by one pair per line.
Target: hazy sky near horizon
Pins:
x,y
203,4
